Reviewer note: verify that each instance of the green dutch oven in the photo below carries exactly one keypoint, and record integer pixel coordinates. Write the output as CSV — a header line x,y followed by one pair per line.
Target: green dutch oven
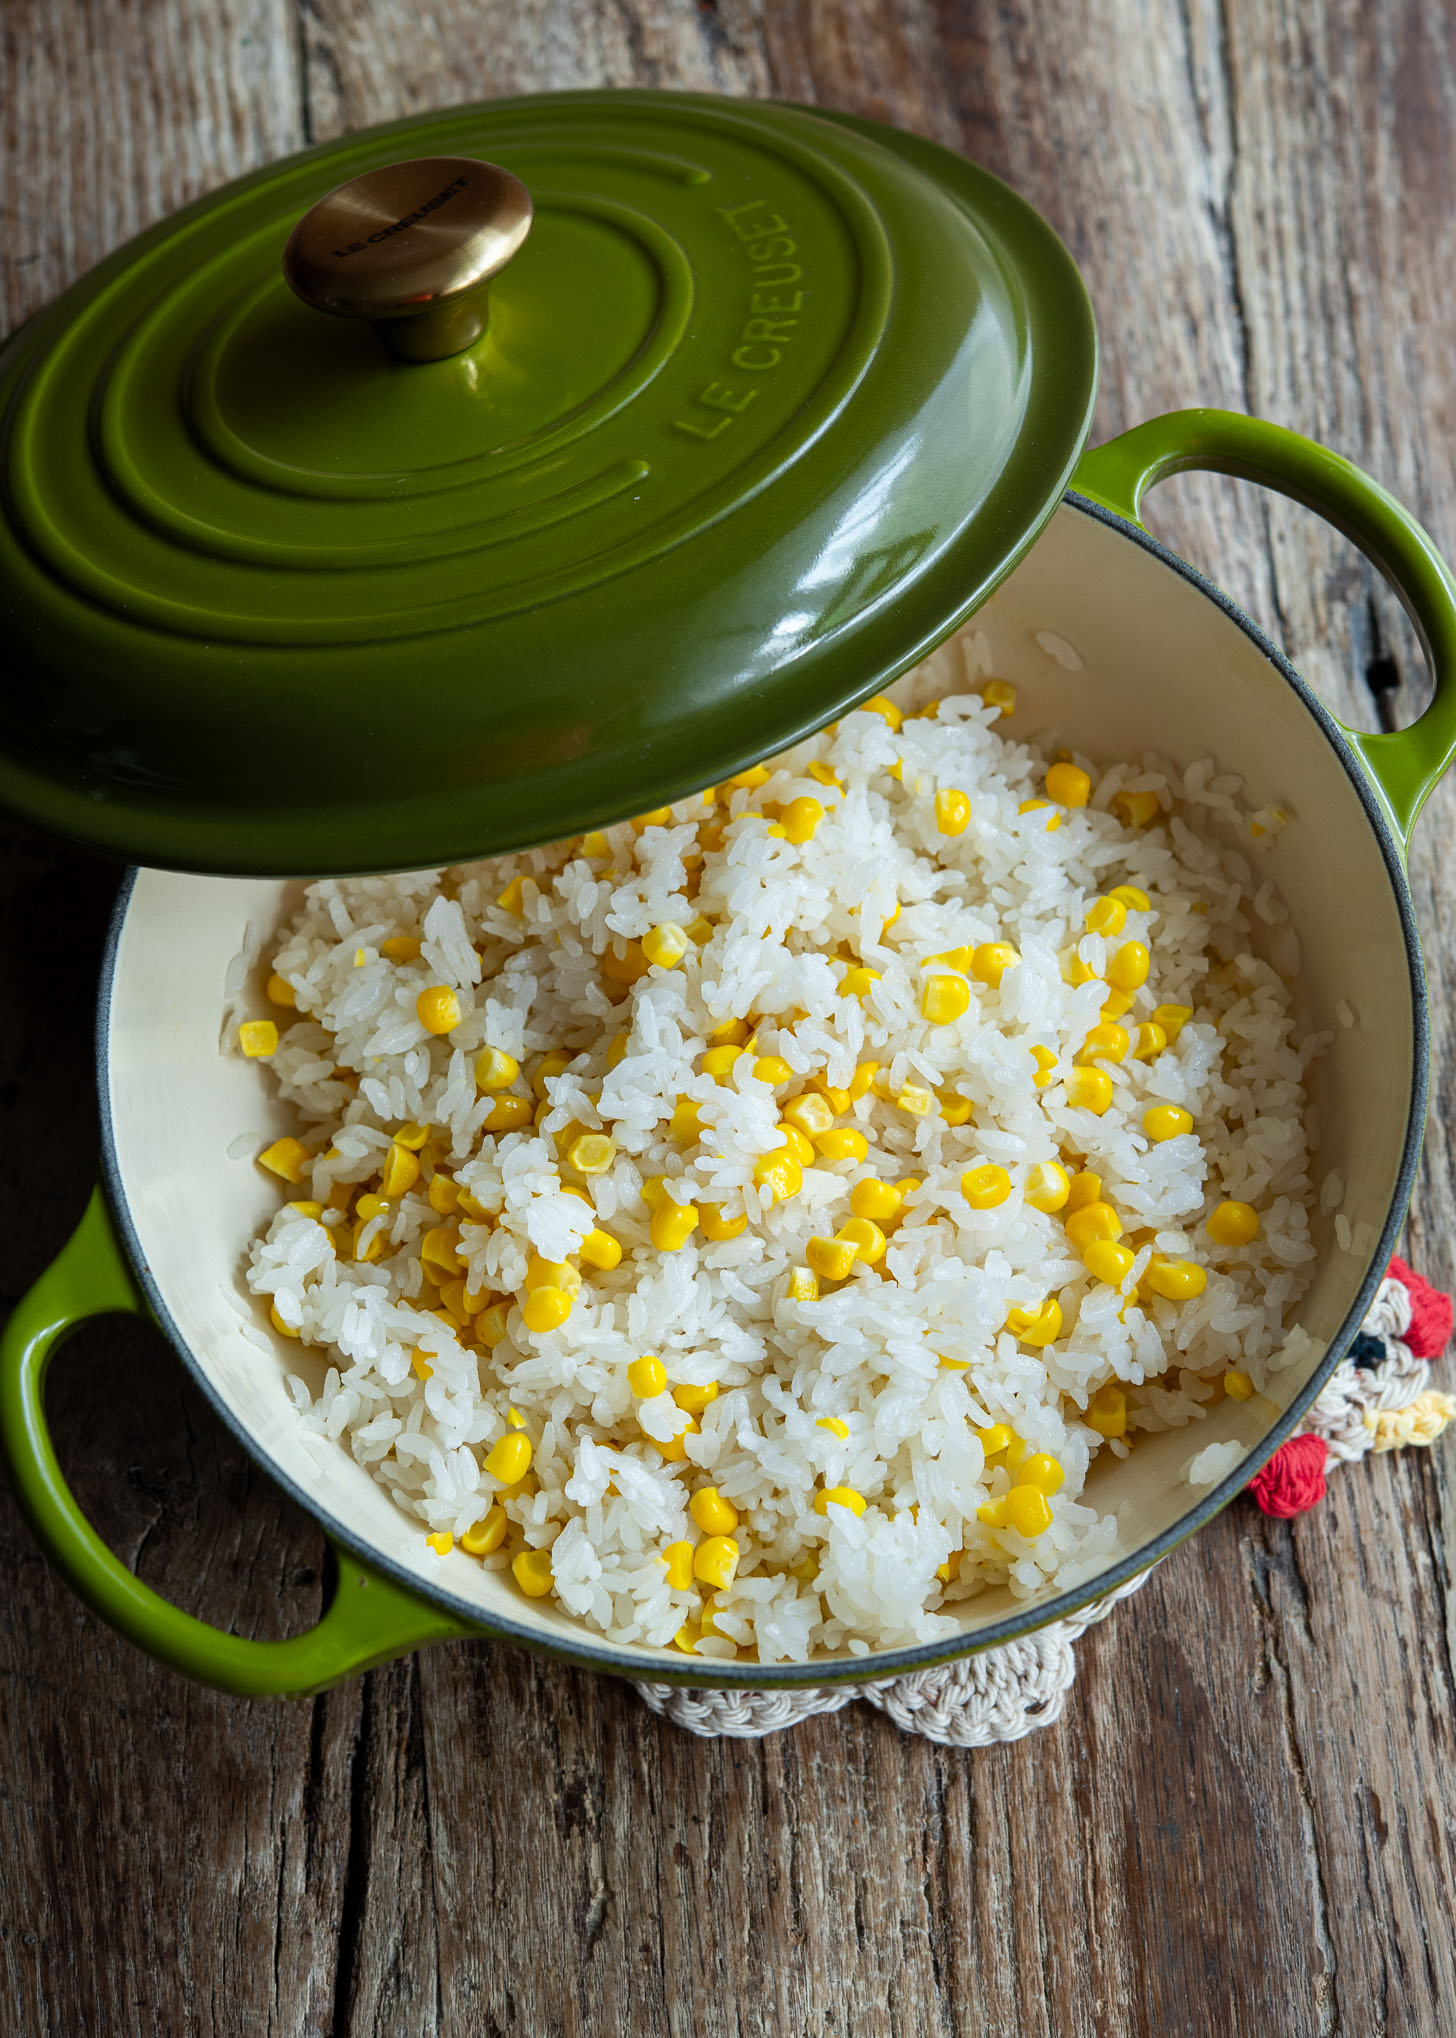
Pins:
x,y
470,482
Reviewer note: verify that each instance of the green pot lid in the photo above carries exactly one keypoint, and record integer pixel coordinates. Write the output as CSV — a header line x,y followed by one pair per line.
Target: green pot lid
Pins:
x,y
767,401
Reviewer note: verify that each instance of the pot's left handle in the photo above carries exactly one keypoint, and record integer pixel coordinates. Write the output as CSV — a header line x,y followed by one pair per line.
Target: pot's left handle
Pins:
x,y
368,1619
1405,764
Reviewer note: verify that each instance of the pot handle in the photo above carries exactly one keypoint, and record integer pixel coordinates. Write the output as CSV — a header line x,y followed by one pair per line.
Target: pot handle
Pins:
x,y
1405,765
368,1618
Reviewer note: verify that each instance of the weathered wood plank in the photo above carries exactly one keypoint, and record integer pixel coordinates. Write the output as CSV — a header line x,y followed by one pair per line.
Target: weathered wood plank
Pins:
x,y
1246,1820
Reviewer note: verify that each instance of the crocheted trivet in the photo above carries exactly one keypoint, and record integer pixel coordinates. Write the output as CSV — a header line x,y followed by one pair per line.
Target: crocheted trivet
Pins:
x,y
1377,1399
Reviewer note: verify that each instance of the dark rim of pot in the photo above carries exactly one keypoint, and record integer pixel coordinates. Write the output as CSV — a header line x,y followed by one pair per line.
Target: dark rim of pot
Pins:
x,y
878,1665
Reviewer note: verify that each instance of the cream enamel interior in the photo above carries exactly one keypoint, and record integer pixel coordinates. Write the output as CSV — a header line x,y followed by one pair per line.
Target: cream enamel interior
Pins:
x,y
1140,658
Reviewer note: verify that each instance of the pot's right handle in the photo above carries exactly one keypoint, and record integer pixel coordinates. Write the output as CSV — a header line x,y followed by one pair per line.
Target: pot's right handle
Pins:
x,y
1405,765
368,1618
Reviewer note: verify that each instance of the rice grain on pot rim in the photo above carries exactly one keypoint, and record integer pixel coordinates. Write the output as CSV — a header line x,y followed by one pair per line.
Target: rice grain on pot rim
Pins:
x,y
748,1223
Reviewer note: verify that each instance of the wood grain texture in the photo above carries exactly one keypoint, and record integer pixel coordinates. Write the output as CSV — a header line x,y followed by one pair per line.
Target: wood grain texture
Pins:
x,y
1245,1822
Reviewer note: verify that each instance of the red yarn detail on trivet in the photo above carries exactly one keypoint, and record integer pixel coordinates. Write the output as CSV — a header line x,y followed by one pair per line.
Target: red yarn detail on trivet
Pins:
x,y
1293,1479
1430,1324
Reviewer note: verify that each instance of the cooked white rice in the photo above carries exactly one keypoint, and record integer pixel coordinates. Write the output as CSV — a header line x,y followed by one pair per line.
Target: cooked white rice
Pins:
x,y
912,1355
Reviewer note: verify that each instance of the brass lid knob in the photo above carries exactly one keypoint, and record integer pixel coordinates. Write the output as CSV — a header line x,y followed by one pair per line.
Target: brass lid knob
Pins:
x,y
411,248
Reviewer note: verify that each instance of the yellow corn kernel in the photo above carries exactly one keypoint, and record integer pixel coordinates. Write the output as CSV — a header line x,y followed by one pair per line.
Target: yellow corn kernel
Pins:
x,y
1040,806
1233,1224
439,1249
593,844
715,1561
1089,1089
279,991
952,810
1237,1383
453,1295
993,1513
836,1426
915,1099
1128,969
862,1081
443,1195
307,1208
1068,785
779,1174
370,1205
1166,1121
717,1227
996,1438
831,1258
954,1108
1132,897
1040,1326
600,1249
999,693
714,1515
1090,1221
552,1274
855,983
678,1560
545,1309
438,1009
672,1450
258,1038
1108,1040
507,1114
490,1325
986,1186
1107,916
1074,970
646,1376
732,1033
400,947
1172,1019
801,818
666,945
1151,1040
625,969
719,1062
950,1570
803,1285
1175,1280
823,775
509,1457
673,1224
412,1137
1028,1510
284,1329
531,1570
838,1496
1048,1186
495,1069
772,1069
1107,1410
1043,1470
944,999
654,1188
400,1172
286,1158
686,1638
801,1148
956,958
1136,810
685,1123
878,705
591,1153
954,1365
866,1237
991,960
658,817
842,1143
441,1542
809,1113
550,1066
693,1400
511,900
1106,1261
881,1202
488,1534
1116,1004
1046,1063
750,780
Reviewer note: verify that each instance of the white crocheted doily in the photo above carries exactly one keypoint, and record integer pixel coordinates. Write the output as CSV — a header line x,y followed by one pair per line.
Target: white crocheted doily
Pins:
x,y
1378,1399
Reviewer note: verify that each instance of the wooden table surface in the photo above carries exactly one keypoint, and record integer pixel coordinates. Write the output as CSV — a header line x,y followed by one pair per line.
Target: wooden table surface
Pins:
x,y
1244,1824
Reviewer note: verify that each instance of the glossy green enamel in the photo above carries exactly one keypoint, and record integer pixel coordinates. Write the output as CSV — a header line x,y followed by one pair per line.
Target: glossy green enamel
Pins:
x,y
767,403
1404,765
368,1618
